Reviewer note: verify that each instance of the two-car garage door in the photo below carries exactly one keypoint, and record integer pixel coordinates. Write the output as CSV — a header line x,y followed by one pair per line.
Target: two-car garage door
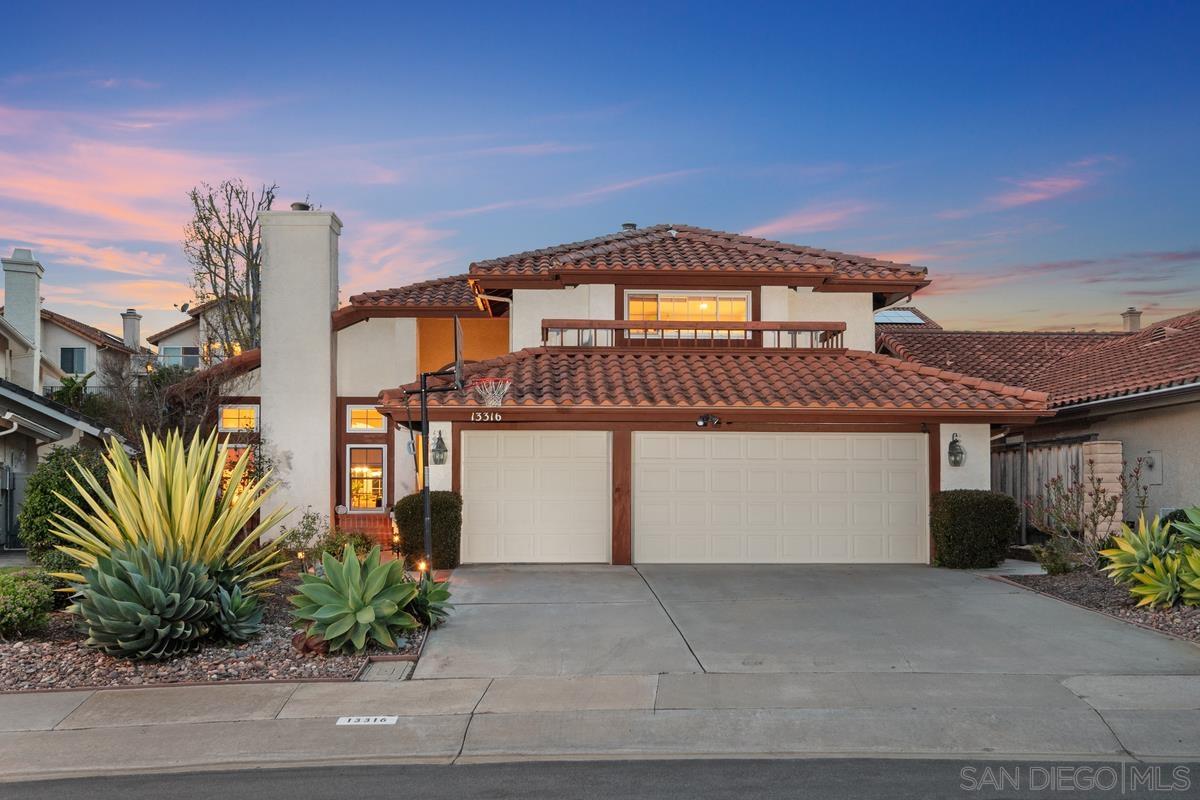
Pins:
x,y
779,498
698,497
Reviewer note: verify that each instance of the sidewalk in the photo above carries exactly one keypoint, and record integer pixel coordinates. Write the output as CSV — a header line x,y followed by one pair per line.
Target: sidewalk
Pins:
x,y
65,734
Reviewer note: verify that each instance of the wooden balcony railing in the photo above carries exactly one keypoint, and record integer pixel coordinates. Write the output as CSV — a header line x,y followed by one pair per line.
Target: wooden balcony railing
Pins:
x,y
605,333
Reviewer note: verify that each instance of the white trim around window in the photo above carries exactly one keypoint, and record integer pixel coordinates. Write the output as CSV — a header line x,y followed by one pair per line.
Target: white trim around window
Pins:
x,y
221,409
350,409
383,493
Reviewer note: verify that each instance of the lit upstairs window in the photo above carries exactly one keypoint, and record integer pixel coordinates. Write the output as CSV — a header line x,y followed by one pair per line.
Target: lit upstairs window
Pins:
x,y
688,307
237,418
364,419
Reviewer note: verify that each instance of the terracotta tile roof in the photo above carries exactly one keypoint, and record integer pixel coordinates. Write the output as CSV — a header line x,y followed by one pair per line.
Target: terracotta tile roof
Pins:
x,y
1159,356
451,292
926,324
1010,358
616,378
93,335
690,249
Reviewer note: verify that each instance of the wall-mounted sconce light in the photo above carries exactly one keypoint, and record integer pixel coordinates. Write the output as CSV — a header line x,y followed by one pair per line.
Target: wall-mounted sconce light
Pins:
x,y
956,453
708,421
439,452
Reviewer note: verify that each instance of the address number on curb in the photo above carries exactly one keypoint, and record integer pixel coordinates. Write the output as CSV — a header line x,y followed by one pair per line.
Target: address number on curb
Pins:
x,y
485,416
382,720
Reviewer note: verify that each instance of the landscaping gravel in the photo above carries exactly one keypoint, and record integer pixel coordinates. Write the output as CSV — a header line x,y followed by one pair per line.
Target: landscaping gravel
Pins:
x,y
58,658
1097,592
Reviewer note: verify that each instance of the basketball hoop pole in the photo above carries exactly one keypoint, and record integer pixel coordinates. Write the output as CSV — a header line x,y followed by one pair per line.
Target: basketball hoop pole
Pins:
x,y
426,496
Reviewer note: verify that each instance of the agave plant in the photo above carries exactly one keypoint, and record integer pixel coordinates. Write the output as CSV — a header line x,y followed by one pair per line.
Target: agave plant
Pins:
x,y
1189,531
1158,584
1135,550
355,600
238,616
184,500
139,603
1189,576
431,604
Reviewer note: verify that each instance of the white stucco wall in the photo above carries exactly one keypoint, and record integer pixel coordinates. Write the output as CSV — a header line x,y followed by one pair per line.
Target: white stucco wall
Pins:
x,y
54,338
531,306
188,337
976,471
299,290
376,354
781,303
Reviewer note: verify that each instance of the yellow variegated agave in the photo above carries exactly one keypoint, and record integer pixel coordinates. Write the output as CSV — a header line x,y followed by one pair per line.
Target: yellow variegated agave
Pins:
x,y
176,502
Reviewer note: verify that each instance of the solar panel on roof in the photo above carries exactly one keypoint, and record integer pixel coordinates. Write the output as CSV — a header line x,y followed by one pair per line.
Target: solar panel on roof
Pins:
x,y
900,316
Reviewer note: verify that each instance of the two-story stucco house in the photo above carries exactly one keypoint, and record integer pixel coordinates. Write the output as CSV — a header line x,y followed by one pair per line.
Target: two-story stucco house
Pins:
x,y
677,395
31,341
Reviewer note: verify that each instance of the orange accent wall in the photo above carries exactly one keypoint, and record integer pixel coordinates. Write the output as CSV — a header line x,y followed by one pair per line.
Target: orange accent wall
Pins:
x,y
482,338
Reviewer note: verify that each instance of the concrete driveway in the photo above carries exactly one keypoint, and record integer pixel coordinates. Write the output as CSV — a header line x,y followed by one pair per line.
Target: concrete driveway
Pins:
x,y
602,620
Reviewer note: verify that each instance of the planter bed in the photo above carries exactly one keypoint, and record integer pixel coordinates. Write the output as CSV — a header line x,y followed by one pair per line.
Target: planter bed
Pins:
x,y
1095,591
58,658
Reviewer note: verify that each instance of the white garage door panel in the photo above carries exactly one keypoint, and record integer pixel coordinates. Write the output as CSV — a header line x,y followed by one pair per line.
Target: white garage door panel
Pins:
x,y
780,498
536,496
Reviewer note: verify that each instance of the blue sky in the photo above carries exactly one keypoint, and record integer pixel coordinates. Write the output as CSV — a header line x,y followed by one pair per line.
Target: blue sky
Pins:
x,y
1039,158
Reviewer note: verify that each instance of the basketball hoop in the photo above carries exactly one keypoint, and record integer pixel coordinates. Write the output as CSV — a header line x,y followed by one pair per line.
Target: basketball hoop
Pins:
x,y
491,391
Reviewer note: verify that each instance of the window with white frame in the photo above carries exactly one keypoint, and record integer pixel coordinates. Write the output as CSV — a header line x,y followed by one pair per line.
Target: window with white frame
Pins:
x,y
73,360
178,356
366,476
364,419
237,418
674,306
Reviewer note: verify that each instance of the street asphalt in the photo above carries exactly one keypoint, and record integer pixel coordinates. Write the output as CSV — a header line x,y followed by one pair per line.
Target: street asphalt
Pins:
x,y
821,779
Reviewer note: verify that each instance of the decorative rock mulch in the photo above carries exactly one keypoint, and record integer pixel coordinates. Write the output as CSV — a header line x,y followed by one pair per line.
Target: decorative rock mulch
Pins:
x,y
1097,592
58,658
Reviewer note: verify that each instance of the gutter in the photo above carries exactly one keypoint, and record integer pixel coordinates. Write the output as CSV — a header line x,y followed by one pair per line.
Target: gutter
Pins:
x,y
54,414
39,431
1136,395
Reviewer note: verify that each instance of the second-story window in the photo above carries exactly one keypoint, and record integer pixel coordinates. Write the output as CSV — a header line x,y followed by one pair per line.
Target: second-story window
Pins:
x,y
73,360
237,418
364,419
688,307
176,356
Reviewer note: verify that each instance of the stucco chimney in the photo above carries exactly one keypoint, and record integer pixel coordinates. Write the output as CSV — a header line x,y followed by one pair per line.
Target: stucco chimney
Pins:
x,y
1132,319
299,360
131,328
23,310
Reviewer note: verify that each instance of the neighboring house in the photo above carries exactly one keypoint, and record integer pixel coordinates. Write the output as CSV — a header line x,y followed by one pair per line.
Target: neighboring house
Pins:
x,y
678,395
29,422
1139,387
63,346
192,342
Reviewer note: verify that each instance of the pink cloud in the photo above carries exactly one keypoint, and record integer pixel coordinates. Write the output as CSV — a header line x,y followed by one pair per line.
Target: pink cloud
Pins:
x,y
812,218
1038,190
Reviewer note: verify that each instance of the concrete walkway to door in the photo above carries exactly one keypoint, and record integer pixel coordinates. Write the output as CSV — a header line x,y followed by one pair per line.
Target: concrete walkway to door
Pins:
x,y
602,620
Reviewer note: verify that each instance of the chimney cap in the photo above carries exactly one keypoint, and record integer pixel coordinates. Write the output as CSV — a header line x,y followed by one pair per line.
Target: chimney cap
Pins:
x,y
629,226
300,205
129,312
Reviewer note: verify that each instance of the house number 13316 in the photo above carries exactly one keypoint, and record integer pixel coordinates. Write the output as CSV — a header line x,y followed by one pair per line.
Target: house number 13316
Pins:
x,y
485,416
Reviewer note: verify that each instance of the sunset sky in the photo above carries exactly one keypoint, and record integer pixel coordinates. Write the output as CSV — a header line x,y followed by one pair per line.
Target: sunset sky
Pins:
x,y
1042,159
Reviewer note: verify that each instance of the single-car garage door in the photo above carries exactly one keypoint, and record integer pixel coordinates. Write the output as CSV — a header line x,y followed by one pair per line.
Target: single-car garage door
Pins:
x,y
536,496
780,498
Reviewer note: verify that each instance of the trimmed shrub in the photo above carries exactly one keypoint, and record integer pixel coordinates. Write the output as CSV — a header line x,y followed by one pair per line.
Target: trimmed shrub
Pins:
x,y
972,528
336,540
446,527
25,600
